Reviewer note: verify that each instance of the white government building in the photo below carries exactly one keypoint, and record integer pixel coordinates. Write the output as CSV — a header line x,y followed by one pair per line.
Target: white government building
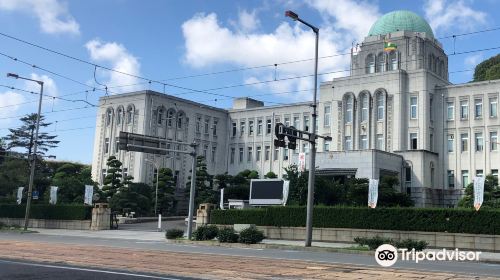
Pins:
x,y
395,114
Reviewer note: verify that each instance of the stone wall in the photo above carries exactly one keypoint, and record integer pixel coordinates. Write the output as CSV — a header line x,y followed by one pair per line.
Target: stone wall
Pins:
x,y
51,224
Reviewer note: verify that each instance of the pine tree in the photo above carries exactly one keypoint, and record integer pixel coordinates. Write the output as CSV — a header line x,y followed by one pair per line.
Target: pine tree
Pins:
x,y
24,136
113,181
205,192
166,187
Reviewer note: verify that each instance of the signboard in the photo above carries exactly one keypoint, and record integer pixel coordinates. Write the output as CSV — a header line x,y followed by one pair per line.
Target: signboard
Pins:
x,y
53,195
142,143
89,193
372,193
302,162
35,195
267,192
478,192
19,194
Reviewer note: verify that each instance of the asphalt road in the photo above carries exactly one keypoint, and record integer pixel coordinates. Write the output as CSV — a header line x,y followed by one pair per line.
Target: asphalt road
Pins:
x,y
469,268
31,271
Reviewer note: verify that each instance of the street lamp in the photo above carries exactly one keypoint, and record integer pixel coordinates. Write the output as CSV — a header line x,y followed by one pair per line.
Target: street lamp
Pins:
x,y
157,174
312,136
35,146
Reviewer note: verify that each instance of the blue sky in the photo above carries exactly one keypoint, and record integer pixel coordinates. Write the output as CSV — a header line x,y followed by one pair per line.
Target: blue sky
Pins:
x,y
162,40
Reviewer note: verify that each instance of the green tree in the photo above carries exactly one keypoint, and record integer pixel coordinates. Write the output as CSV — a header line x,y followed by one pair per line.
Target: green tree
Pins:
x,y
71,179
297,194
136,197
24,136
166,188
488,69
205,192
113,181
13,174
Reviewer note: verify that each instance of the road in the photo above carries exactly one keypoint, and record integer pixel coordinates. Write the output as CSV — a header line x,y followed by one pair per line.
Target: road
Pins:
x,y
176,255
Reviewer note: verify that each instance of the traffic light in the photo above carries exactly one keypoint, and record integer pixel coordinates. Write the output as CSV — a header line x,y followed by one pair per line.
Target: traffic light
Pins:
x,y
292,140
123,141
279,130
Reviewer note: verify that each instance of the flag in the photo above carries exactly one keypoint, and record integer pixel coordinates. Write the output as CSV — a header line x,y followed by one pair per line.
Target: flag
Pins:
x,y
286,190
89,193
221,204
388,46
478,192
372,193
19,194
53,195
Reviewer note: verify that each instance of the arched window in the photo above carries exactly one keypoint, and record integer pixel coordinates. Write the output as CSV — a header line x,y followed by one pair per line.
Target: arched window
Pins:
x,y
370,64
348,109
119,116
434,65
364,107
180,120
380,106
130,113
170,117
430,62
393,61
380,62
441,66
161,111
109,115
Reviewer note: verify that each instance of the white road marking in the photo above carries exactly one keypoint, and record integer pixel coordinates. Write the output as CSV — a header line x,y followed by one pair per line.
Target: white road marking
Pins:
x,y
91,270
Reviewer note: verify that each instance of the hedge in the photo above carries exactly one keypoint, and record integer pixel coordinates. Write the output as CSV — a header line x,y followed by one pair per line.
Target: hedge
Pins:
x,y
48,212
405,219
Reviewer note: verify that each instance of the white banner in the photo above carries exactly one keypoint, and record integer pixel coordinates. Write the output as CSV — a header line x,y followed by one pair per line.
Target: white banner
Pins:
x,y
53,195
302,162
221,204
286,190
89,193
372,193
478,192
19,194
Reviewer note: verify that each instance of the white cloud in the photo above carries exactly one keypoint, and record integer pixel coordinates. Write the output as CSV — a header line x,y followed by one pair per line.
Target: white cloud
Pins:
x,y
9,105
248,21
49,86
120,60
473,60
53,15
446,14
208,43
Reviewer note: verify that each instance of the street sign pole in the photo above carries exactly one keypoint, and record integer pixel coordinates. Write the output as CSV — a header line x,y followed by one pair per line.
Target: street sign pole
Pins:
x,y
192,193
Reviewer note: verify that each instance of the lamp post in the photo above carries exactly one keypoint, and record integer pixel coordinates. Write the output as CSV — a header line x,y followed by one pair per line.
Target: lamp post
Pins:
x,y
35,146
312,136
157,175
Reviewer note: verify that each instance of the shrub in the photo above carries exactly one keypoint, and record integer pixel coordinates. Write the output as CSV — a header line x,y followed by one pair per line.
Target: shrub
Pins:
x,y
459,220
227,235
174,233
48,212
208,232
410,244
372,243
251,235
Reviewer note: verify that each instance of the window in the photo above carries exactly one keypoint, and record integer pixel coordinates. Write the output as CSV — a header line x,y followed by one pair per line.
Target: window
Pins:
x,y
432,174
479,173
408,179
450,111
413,107
214,153
257,153
234,129
103,174
180,118
478,108
232,155
393,60
117,142
207,125
370,64
250,128
380,142
464,110
380,62
306,123
130,113
214,132
348,143
348,110
205,152
305,148
267,151
155,173
464,145
250,154
285,154
479,141
242,128
431,111
198,125
413,141
296,122
287,121
493,107
268,126
465,178
106,145
451,141
493,140
119,116
326,146
109,115
259,127
451,178
364,108
241,155
364,142
125,173
276,153
170,117
380,107
160,115
327,116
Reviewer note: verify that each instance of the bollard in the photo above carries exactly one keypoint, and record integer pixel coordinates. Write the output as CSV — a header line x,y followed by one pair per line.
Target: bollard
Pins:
x,y
159,222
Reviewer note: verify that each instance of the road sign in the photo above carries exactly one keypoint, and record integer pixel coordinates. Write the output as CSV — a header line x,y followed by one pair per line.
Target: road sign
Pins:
x,y
35,194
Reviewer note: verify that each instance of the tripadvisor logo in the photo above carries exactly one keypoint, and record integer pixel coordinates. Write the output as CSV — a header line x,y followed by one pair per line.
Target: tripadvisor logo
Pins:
x,y
386,255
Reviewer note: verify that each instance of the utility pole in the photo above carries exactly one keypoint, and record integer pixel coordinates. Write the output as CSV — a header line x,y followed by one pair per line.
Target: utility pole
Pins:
x,y
192,192
35,146
312,136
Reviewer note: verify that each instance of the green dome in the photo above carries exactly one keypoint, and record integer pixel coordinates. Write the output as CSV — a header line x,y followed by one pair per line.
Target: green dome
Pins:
x,y
399,21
